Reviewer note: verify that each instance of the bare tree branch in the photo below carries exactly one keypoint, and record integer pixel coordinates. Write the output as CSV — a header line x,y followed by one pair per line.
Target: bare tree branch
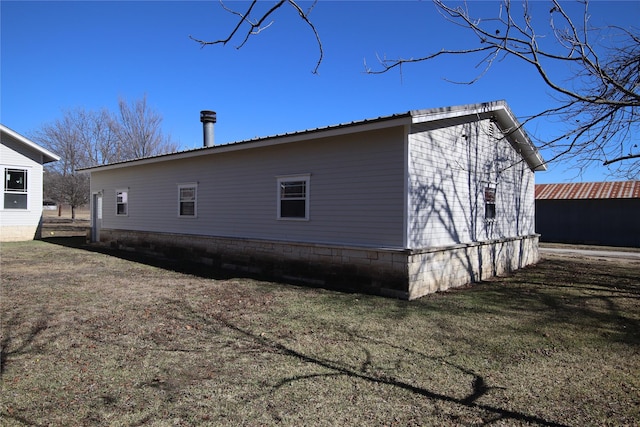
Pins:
x,y
619,159
599,107
257,25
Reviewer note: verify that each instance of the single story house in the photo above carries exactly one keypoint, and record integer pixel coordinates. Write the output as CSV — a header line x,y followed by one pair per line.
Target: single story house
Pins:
x,y
21,162
401,205
595,213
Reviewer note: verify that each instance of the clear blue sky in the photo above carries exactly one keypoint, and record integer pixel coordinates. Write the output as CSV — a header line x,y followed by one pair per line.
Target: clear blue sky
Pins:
x,y
63,55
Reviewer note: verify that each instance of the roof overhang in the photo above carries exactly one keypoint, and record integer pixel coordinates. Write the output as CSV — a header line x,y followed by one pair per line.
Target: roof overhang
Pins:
x,y
499,112
47,156
325,132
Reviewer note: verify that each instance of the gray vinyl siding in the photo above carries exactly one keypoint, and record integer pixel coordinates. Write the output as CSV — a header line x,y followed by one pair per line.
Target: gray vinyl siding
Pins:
x,y
449,168
356,191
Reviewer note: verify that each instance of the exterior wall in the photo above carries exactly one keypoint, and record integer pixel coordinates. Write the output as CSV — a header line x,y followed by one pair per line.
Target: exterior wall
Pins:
x,y
397,211
449,168
356,192
21,224
611,222
440,269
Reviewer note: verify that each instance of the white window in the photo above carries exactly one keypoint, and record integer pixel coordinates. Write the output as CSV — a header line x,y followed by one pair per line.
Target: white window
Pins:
x,y
187,199
293,197
489,203
122,202
15,189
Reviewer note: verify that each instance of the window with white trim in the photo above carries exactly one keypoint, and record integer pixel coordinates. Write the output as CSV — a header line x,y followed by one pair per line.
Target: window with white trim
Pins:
x,y
15,188
293,197
489,203
187,199
122,202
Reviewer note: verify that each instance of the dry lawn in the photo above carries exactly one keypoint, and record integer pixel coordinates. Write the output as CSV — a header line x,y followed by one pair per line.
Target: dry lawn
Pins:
x,y
94,339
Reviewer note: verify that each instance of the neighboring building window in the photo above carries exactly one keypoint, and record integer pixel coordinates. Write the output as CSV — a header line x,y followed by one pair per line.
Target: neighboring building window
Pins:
x,y
122,202
187,197
489,203
15,189
293,197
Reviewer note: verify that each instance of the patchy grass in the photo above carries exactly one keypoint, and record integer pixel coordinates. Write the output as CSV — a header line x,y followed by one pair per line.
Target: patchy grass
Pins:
x,y
93,339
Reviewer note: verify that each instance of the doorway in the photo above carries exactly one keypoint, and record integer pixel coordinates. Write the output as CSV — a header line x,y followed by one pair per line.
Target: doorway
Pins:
x,y
96,216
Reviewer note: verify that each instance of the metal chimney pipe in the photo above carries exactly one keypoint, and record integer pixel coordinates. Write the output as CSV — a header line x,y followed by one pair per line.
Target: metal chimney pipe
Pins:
x,y
208,119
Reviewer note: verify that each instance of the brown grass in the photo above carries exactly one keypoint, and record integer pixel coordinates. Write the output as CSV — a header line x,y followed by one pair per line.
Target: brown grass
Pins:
x,y
90,338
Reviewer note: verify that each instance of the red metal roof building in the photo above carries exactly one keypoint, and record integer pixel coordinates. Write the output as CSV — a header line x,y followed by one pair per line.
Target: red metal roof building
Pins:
x,y
589,190
600,213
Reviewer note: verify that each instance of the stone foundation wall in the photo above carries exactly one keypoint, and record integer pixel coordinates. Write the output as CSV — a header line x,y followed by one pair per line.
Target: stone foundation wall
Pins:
x,y
399,273
370,270
19,233
436,270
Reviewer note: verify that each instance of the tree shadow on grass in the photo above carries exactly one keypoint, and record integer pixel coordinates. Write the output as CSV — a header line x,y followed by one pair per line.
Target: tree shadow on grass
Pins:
x,y
578,292
336,368
543,286
562,288
10,346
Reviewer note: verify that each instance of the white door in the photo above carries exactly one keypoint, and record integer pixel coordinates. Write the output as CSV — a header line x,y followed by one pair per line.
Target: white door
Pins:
x,y
96,217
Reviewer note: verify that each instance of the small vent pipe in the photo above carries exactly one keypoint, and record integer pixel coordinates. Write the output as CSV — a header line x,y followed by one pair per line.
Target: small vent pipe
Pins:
x,y
208,119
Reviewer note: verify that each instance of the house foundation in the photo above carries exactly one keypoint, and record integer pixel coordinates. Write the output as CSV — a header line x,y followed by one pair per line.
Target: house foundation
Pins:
x,y
399,273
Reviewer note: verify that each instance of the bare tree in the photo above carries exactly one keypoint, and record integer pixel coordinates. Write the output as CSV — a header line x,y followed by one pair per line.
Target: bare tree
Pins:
x,y
598,104
67,137
87,138
138,129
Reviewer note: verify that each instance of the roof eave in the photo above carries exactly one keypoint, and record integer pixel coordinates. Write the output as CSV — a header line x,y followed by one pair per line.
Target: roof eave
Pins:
x,y
515,132
47,156
326,132
498,110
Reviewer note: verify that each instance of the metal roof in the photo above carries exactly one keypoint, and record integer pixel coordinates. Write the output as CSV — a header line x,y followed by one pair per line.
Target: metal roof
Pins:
x,y
258,141
496,109
589,190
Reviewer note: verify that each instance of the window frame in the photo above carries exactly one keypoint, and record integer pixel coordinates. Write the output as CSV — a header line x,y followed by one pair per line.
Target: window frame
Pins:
x,y
24,191
125,203
182,186
284,179
490,212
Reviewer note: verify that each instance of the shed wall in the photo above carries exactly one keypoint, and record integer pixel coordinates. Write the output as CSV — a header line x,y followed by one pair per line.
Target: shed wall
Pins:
x,y
356,192
609,222
450,166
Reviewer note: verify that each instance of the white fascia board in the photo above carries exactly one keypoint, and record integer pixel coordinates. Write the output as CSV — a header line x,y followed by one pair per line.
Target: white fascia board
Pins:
x,y
47,156
519,139
498,110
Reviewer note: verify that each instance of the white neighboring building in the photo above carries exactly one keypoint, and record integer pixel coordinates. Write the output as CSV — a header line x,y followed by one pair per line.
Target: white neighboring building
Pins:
x,y
402,205
21,162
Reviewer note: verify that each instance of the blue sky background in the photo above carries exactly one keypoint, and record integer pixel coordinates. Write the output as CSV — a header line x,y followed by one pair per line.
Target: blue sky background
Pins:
x,y
63,55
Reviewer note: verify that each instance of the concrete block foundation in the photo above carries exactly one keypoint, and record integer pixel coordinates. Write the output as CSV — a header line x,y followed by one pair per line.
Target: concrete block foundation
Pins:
x,y
399,273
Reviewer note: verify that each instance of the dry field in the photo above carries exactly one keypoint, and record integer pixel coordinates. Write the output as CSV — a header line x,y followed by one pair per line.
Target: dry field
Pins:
x,y
90,338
